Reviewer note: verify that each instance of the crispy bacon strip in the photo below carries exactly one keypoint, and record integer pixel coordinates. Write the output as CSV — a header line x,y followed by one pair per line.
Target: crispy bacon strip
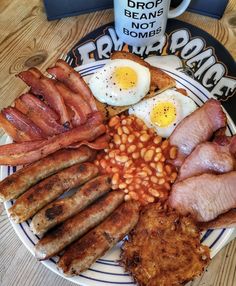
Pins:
x,y
99,144
23,123
12,131
66,74
76,103
28,152
40,113
46,88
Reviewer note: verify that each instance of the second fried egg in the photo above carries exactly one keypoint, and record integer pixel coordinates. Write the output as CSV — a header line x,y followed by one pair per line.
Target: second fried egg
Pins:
x,y
164,111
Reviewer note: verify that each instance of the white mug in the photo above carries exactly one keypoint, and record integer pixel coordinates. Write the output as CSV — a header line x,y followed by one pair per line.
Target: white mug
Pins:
x,y
142,22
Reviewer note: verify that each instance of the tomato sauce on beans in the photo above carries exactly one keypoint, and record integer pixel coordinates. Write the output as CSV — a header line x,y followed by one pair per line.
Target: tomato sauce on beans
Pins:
x,y
137,160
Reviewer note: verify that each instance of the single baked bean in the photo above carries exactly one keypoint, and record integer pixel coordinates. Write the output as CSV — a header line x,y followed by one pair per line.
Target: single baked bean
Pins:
x,y
143,151
161,181
173,153
128,163
127,198
142,174
131,149
119,131
131,138
168,169
154,192
164,144
125,130
154,179
140,145
124,138
159,167
157,157
115,179
121,159
148,155
157,140
113,121
144,137
117,139
122,147
135,155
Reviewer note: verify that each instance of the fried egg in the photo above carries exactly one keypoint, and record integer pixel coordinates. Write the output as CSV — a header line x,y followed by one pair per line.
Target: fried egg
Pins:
x,y
164,111
120,83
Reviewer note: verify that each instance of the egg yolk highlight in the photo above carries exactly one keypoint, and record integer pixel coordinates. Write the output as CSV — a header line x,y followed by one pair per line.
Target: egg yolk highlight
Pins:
x,y
125,77
163,114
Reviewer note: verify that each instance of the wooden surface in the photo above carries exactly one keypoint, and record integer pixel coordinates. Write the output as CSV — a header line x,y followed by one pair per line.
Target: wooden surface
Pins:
x,y
27,39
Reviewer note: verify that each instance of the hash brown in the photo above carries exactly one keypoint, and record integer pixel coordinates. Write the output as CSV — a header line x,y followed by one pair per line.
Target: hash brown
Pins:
x,y
164,249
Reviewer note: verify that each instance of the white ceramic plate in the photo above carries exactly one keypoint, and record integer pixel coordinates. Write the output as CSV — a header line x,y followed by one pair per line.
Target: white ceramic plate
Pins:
x,y
106,270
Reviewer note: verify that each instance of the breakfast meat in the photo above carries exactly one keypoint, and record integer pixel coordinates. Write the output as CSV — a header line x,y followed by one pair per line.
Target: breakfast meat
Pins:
x,y
99,143
81,109
164,249
159,79
136,160
49,189
85,251
40,113
28,152
17,183
45,87
222,221
205,196
209,157
60,210
73,80
73,228
23,123
16,134
196,128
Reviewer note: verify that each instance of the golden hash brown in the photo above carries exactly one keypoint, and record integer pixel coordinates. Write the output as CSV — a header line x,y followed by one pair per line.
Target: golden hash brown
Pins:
x,y
164,249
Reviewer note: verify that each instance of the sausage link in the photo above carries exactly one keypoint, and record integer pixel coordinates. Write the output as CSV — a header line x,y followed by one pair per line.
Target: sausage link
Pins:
x,y
73,228
62,209
84,252
49,189
16,184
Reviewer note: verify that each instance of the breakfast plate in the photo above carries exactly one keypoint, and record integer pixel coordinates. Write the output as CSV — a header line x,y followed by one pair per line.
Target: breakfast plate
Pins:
x,y
106,271
203,71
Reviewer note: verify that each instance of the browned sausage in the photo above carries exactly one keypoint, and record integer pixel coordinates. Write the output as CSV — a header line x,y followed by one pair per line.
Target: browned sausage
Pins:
x,y
62,209
16,184
84,252
72,229
49,189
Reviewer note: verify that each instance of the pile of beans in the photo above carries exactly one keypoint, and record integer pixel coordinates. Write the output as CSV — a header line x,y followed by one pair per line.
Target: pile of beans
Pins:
x,y
136,159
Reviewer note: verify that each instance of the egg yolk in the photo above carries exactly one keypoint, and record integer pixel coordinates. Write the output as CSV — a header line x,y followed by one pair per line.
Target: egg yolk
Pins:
x,y
163,114
125,77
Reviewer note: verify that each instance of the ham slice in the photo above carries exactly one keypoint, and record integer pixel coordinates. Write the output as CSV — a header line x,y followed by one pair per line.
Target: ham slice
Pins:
x,y
196,128
206,196
209,157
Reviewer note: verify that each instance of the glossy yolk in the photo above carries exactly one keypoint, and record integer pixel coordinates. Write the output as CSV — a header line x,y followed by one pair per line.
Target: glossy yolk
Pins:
x,y
163,114
125,77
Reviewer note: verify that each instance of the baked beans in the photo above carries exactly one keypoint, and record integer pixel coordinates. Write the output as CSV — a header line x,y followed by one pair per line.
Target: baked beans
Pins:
x,y
137,160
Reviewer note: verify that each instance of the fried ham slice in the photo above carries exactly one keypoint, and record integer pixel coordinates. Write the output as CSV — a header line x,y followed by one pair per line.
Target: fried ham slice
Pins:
x,y
164,249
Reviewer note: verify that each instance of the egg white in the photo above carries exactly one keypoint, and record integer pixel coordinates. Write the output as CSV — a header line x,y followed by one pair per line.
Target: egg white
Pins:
x,y
184,106
107,91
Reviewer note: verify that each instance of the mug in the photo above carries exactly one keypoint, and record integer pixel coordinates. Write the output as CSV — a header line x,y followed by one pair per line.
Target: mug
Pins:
x,y
142,22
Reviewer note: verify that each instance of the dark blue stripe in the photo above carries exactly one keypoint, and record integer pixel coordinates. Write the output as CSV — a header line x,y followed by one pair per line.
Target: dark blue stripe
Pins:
x,y
104,281
109,273
223,230
209,231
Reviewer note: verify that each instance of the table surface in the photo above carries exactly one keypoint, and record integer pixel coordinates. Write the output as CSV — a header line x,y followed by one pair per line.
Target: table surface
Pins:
x,y
28,39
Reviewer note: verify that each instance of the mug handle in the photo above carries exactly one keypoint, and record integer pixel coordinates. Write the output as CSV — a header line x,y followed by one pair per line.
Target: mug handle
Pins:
x,y
179,10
